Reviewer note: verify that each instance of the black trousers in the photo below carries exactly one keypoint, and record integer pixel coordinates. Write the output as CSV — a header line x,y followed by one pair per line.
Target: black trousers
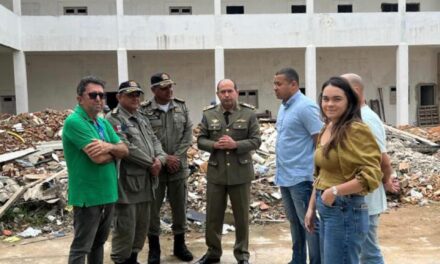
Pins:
x,y
91,229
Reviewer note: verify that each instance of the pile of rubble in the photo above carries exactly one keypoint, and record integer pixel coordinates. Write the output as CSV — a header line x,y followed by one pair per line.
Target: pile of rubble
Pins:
x,y
33,178
430,133
418,173
22,131
33,173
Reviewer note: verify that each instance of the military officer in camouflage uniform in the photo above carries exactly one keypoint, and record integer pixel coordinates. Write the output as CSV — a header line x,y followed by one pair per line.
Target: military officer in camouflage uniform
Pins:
x,y
138,174
170,121
229,131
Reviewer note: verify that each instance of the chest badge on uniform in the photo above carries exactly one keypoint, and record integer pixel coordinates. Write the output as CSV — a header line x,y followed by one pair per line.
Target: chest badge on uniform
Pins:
x,y
215,121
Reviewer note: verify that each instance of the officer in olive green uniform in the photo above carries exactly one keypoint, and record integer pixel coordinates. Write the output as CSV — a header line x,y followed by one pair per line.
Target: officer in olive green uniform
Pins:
x,y
171,124
229,131
138,173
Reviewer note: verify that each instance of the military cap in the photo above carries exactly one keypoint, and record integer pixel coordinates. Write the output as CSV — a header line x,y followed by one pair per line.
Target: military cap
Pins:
x,y
161,80
129,87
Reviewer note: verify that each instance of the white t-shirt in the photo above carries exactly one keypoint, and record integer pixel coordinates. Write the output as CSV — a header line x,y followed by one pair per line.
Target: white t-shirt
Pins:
x,y
164,107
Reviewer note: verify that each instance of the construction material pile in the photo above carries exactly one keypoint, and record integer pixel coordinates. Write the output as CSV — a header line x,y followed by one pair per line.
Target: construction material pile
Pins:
x,y
418,173
33,178
430,133
22,131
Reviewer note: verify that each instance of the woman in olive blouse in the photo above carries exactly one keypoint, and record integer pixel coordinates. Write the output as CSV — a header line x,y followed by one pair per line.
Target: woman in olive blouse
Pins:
x,y
347,166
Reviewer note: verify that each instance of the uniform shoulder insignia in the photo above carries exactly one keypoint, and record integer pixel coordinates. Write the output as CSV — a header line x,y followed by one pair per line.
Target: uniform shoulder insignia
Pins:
x,y
146,103
115,110
179,100
209,107
247,105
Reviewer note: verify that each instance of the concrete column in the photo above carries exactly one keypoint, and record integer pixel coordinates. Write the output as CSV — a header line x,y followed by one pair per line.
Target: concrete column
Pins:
x,y
402,6
219,66
310,7
311,72
402,108
20,79
217,7
122,65
16,7
120,7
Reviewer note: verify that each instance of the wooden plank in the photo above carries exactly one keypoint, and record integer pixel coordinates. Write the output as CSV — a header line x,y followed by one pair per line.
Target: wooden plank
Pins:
x,y
16,154
11,200
403,133
19,193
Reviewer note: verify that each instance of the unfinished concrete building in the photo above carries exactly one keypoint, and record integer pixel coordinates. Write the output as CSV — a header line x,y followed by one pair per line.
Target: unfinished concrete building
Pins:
x,y
47,46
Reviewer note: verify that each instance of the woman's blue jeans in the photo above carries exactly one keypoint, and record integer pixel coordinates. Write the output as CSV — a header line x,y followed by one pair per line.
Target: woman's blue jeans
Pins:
x,y
343,228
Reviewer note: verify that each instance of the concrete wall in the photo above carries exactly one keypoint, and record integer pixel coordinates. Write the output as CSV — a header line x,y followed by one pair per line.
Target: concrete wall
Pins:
x,y
6,3
154,7
56,8
232,32
6,74
255,69
9,28
193,71
263,7
377,66
331,6
53,77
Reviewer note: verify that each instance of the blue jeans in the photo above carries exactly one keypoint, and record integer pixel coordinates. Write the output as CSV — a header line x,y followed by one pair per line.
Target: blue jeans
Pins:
x,y
296,201
343,228
371,253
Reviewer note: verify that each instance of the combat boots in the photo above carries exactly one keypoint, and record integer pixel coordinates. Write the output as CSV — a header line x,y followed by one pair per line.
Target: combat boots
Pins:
x,y
154,252
133,258
180,249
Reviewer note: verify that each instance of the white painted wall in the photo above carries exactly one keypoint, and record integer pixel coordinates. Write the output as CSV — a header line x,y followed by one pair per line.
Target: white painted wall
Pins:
x,y
154,7
231,32
72,33
6,74
263,7
193,71
56,8
9,28
331,6
52,77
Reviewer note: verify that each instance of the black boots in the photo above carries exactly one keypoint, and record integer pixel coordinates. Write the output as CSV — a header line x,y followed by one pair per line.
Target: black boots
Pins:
x,y
180,250
131,260
154,252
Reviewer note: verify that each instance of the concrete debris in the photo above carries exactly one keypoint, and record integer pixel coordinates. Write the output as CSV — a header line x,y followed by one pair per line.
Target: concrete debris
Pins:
x,y
30,232
33,173
24,130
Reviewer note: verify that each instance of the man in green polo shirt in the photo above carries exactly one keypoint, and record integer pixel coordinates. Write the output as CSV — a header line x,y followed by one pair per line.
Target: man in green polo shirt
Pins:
x,y
91,147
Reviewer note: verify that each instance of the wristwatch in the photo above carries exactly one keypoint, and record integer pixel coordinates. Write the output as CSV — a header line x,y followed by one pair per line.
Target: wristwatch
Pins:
x,y
334,190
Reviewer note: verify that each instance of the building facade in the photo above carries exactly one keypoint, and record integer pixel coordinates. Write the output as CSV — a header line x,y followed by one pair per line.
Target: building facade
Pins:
x,y
47,46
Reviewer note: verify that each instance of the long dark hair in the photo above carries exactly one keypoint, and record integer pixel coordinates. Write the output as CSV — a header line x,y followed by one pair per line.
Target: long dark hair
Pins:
x,y
351,114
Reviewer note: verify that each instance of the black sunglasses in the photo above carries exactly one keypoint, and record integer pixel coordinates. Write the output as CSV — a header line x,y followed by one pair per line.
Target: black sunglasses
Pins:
x,y
94,95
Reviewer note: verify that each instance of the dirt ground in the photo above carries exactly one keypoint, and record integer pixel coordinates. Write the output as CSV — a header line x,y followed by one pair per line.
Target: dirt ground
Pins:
x,y
408,235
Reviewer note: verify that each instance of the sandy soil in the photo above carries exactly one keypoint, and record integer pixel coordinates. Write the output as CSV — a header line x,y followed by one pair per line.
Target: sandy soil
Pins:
x,y
409,235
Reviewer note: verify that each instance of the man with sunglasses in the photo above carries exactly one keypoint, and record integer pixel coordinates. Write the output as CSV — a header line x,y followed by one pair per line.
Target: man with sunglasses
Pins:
x,y
138,174
171,124
91,148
